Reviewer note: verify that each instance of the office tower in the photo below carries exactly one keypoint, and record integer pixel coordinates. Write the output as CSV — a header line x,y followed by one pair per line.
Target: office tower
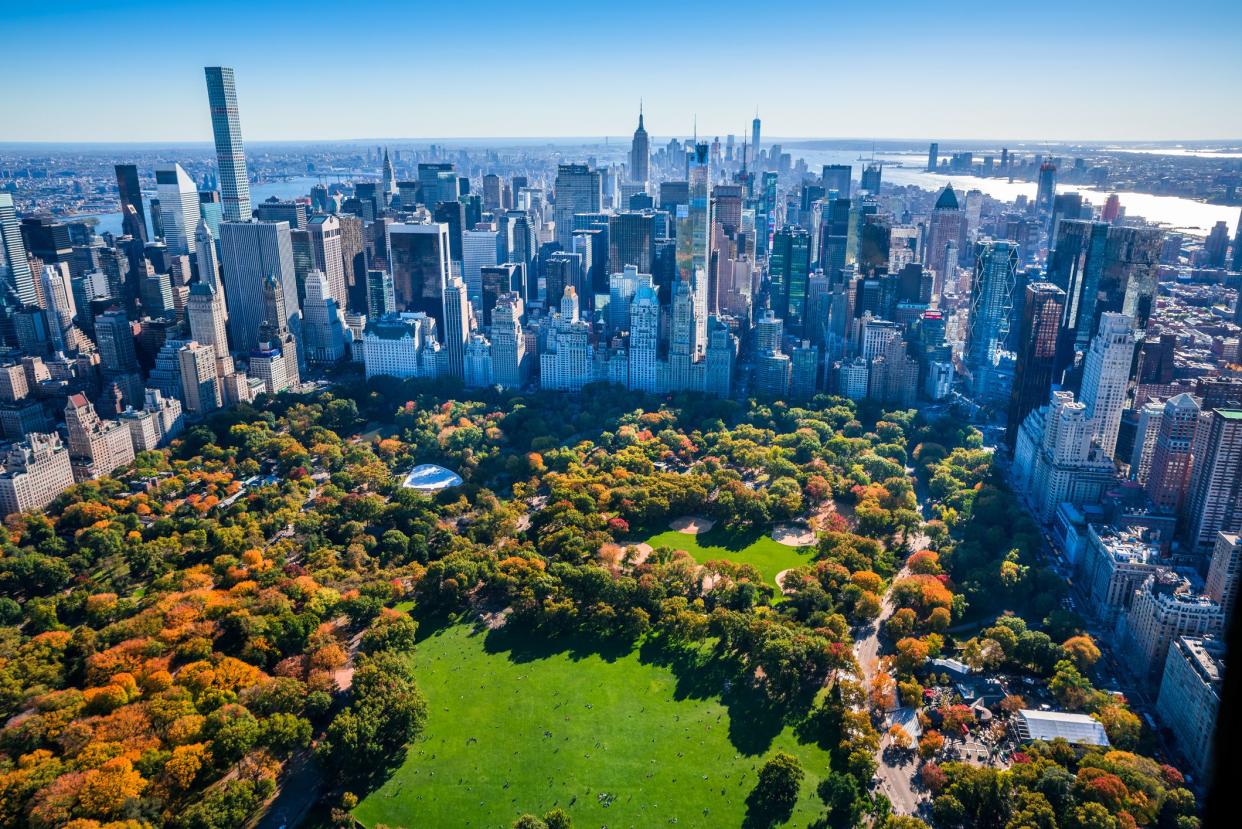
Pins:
x,y
947,229
18,280
789,267
562,270
114,336
453,215
631,241
1224,575
323,324
456,325
754,138
199,383
495,281
133,217
325,245
35,472
1076,264
437,182
1054,461
1042,309
836,178
478,250
933,157
388,180
578,190
250,252
1216,246
640,153
991,308
230,154
1106,378
491,192
1047,187
1189,698
509,362
418,258
871,178
1237,256
275,210
1213,501
1171,456
179,210
381,296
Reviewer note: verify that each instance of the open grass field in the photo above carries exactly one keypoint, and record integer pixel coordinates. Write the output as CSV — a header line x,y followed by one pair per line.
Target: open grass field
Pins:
x,y
771,557
638,739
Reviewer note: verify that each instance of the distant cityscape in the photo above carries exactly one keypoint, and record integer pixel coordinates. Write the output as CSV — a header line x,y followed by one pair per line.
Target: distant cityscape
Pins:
x,y
1091,327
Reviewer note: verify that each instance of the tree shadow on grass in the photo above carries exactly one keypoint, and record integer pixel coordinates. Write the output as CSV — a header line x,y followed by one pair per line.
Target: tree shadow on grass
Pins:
x,y
530,646
754,719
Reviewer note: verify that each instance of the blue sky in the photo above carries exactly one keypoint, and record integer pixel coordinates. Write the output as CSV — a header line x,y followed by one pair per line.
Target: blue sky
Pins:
x,y
1056,69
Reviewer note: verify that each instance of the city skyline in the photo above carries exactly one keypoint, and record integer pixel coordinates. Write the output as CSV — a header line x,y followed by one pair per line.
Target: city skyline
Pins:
x,y
1196,62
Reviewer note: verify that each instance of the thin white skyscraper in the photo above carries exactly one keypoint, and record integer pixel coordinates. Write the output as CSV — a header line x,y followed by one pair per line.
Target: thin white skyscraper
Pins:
x,y
179,210
230,153
456,325
1106,377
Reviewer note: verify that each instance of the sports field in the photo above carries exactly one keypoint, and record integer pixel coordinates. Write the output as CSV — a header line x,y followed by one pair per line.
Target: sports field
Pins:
x,y
635,739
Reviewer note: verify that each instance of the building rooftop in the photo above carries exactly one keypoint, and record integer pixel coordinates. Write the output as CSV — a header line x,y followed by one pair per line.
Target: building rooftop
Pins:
x,y
428,477
1051,725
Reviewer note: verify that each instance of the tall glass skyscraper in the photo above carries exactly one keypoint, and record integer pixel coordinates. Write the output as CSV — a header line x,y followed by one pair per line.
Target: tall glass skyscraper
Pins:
x,y
230,154
15,274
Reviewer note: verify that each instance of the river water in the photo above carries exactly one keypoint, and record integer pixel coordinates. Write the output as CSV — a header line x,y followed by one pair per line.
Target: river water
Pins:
x,y
1184,215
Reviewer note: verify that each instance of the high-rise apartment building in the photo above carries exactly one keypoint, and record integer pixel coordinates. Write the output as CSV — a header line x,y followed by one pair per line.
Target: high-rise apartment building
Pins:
x,y
510,366
1106,377
200,384
1189,699
36,471
325,245
789,269
97,447
991,310
1214,498
1170,458
1224,578
230,153
456,325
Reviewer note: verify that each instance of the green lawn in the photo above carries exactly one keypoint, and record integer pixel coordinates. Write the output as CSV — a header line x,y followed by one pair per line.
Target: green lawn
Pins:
x,y
771,557
636,739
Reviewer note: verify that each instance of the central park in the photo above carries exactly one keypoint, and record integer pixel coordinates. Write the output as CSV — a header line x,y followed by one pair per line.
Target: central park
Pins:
x,y
395,605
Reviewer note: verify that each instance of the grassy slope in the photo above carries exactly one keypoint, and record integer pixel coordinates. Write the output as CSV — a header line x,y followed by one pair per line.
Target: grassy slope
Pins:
x,y
769,556
519,726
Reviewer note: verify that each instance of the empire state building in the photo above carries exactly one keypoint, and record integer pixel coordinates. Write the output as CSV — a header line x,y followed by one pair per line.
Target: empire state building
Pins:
x,y
640,152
